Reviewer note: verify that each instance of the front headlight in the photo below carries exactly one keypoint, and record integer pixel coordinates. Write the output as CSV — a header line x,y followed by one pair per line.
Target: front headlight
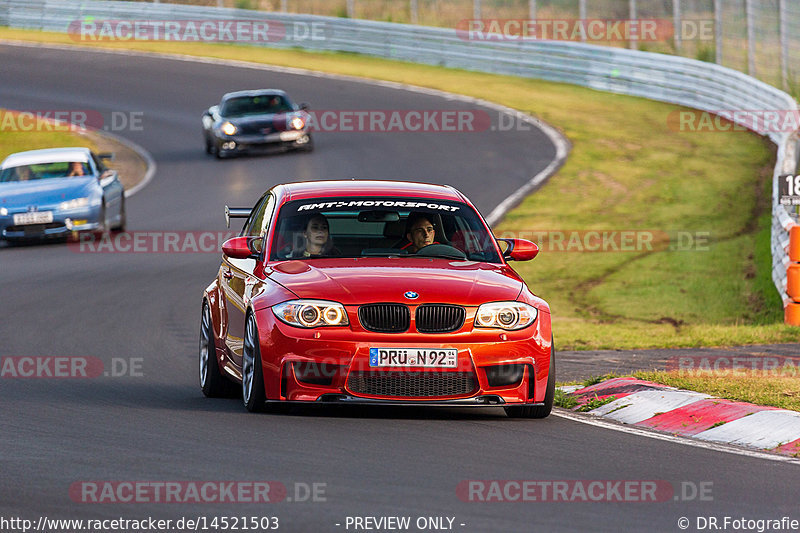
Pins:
x,y
311,313
297,123
3,211
228,128
74,203
505,315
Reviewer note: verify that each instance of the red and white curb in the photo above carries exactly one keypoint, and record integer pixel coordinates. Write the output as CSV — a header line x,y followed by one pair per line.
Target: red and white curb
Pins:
x,y
692,414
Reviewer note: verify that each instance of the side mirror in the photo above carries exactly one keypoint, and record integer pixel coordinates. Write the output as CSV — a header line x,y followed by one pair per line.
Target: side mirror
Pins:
x,y
242,247
519,249
304,106
107,156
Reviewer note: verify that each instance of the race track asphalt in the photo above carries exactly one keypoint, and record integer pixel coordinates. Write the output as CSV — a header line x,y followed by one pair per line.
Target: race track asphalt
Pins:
x,y
144,308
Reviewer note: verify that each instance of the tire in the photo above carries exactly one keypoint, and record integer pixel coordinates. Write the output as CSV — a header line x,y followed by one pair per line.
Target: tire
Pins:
x,y
123,217
209,145
212,382
539,411
253,393
101,231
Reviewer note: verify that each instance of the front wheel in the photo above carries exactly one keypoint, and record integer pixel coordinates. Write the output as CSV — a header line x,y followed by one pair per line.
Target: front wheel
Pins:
x,y
539,411
253,392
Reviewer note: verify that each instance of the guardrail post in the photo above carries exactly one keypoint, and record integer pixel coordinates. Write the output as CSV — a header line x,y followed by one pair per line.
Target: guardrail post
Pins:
x,y
792,310
476,9
676,23
783,20
351,9
582,16
632,44
284,6
718,30
413,11
532,9
751,37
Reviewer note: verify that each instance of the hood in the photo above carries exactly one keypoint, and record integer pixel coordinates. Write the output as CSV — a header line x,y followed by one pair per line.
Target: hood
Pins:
x,y
370,280
46,191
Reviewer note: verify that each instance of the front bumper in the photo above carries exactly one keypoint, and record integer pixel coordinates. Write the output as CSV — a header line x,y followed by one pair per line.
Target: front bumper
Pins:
x,y
65,223
244,143
331,365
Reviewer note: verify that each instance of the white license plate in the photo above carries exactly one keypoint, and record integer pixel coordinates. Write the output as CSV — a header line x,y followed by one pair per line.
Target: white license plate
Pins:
x,y
414,357
33,217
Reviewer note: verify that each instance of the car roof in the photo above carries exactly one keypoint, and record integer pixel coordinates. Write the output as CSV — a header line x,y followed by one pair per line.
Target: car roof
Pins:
x,y
332,188
47,155
254,92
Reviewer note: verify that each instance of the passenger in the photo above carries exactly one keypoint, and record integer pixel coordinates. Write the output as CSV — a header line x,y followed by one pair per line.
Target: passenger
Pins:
x,y
75,169
419,232
24,173
317,241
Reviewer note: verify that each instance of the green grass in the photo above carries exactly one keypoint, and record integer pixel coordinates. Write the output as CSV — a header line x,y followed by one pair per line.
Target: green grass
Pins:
x,y
776,389
562,399
13,139
594,403
628,170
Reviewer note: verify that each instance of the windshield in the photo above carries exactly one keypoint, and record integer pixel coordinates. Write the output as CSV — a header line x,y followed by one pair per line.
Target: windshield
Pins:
x,y
42,171
381,227
267,104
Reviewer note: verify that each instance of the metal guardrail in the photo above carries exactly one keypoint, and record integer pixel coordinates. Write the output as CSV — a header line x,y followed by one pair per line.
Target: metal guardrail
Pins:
x,y
672,79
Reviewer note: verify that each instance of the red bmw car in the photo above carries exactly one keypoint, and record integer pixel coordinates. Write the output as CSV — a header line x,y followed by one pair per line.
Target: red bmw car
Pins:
x,y
374,292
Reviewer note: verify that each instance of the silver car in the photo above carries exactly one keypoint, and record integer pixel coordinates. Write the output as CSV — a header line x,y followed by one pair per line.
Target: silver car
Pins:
x,y
59,192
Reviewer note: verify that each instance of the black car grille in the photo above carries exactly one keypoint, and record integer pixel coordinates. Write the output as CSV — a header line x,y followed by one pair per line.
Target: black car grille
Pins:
x,y
439,318
263,127
385,318
411,384
32,229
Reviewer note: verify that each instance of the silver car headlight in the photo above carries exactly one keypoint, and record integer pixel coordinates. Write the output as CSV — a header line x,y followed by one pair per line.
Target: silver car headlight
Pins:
x,y
75,203
228,128
3,211
311,313
505,315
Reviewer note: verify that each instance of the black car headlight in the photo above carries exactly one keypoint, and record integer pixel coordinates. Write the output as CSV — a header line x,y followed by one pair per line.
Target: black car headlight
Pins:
x,y
311,313
505,315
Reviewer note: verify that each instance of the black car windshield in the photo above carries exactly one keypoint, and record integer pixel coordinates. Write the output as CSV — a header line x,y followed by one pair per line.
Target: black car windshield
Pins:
x,y
61,169
381,227
265,104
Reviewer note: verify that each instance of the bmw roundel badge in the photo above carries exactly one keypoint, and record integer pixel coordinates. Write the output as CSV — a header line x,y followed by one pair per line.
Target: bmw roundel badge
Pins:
x,y
411,295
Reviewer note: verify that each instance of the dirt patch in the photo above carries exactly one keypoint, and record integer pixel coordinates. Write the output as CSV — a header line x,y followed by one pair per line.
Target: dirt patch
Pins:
x,y
131,166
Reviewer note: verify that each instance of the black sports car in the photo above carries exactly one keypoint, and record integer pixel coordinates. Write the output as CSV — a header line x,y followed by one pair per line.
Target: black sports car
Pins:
x,y
250,120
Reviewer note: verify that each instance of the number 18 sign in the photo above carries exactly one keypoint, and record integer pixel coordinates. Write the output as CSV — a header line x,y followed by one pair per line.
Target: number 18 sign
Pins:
x,y
789,189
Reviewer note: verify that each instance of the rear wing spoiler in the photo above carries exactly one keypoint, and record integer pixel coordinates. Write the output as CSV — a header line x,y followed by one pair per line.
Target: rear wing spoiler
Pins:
x,y
236,212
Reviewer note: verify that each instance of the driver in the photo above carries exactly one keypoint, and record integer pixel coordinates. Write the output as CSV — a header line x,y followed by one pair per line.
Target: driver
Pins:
x,y
419,232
